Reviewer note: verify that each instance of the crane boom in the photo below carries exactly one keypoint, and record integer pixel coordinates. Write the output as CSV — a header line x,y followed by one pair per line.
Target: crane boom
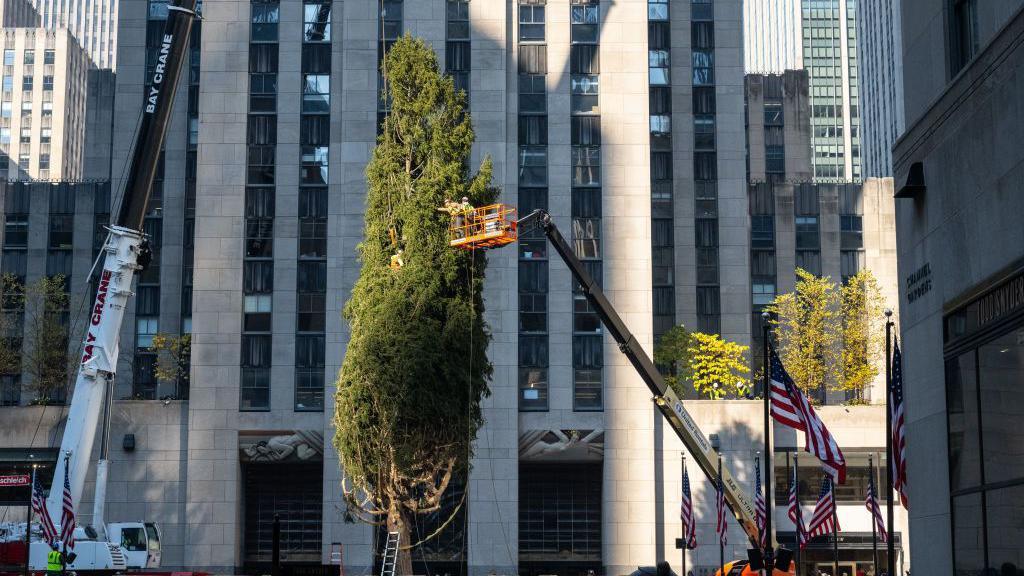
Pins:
x,y
124,254
667,401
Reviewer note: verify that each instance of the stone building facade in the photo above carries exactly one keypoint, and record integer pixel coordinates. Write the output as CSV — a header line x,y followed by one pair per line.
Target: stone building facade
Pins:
x,y
93,23
624,119
961,249
43,103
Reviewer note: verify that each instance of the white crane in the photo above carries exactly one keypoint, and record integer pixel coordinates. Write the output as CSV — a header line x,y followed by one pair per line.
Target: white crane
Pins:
x,y
116,546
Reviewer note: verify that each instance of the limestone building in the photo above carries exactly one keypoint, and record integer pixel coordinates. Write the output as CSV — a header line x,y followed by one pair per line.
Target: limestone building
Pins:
x,y
93,23
623,119
961,248
42,105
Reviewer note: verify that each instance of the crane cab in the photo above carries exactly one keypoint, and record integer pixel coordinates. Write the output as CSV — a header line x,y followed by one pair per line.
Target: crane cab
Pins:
x,y
139,541
490,226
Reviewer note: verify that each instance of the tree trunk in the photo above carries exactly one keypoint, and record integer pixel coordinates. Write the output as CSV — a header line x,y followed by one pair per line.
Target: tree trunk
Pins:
x,y
398,522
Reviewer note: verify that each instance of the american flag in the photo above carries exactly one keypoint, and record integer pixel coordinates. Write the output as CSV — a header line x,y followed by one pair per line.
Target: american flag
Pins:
x,y
824,519
899,441
722,526
759,505
686,514
871,503
39,509
791,407
67,518
795,513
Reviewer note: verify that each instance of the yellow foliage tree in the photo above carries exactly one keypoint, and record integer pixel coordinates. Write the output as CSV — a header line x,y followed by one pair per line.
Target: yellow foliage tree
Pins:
x,y
861,308
830,337
805,323
172,362
715,367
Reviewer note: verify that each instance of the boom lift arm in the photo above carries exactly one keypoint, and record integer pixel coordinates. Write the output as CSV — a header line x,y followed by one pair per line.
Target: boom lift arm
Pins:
x,y
125,252
664,397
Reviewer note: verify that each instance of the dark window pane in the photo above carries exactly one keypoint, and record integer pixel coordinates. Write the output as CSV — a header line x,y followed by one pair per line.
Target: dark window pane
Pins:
x,y
1003,516
1001,367
968,535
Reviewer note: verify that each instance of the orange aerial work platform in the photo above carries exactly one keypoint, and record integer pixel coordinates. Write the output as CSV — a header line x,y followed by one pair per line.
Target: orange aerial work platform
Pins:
x,y
485,227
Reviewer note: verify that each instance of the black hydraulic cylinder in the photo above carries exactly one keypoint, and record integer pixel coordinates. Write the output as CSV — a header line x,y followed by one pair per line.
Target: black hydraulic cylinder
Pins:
x,y
156,112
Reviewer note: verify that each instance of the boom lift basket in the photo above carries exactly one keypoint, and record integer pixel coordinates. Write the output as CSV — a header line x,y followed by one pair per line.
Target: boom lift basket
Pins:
x,y
490,226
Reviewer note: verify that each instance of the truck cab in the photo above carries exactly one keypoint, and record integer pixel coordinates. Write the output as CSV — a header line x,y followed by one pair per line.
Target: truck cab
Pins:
x,y
139,541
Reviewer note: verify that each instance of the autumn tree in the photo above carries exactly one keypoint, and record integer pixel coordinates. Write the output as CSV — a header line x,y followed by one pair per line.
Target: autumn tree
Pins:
x,y
408,395
172,358
829,336
861,308
713,366
46,358
12,293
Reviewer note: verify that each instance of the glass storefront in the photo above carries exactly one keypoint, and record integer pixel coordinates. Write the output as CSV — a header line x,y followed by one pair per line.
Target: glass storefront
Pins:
x,y
985,405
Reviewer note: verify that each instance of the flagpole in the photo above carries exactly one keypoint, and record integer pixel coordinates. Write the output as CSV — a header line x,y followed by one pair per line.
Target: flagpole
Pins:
x,y
682,472
721,545
891,543
28,523
768,470
874,529
835,530
796,478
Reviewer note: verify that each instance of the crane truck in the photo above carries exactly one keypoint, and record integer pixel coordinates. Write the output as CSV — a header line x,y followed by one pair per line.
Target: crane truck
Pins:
x,y
494,226
115,546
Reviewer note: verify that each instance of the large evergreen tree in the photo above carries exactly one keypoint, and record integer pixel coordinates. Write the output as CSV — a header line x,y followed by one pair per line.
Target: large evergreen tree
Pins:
x,y
416,367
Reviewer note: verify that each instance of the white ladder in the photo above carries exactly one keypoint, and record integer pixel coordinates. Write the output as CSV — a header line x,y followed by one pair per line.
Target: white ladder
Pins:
x,y
387,566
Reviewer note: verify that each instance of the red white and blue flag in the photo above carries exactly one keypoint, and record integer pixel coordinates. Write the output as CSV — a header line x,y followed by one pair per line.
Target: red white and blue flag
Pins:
x,y
824,520
795,513
791,407
67,518
39,509
722,525
871,503
760,511
686,514
899,442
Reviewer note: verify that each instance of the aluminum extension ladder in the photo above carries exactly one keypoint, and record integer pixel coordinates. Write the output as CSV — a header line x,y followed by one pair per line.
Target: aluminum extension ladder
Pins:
x,y
387,566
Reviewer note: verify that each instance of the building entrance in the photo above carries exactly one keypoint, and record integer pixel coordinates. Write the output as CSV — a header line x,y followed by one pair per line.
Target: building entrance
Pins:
x,y
292,492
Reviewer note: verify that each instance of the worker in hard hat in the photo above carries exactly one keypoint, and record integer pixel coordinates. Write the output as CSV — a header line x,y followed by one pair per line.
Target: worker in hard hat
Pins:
x,y
397,260
54,561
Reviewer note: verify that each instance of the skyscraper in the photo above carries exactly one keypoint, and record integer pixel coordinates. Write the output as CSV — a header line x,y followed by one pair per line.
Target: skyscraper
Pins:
x,y
881,89
42,113
771,36
830,56
93,23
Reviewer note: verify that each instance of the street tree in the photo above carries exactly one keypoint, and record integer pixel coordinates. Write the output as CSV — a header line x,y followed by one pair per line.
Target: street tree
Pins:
x,y
408,395
172,360
806,323
713,366
46,357
828,336
12,292
861,308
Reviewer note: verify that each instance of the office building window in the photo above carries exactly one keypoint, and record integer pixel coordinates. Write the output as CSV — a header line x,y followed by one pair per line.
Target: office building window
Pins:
x,y
255,385
963,33
316,21
265,15
587,362
309,372
531,22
